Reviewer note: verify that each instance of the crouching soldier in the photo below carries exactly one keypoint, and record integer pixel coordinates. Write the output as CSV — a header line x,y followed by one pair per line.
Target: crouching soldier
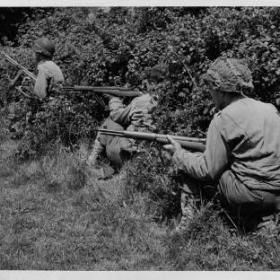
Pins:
x,y
242,156
136,116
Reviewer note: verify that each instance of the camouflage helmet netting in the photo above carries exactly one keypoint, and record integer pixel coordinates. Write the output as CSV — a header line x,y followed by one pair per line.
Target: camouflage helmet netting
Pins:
x,y
229,75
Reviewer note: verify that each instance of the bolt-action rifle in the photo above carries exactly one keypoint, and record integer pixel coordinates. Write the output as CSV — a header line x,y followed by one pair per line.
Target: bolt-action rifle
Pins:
x,y
22,69
113,91
190,143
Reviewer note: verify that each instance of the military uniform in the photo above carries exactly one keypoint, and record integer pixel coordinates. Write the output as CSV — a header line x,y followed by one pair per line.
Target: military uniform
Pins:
x,y
49,79
242,155
116,148
48,83
137,115
134,117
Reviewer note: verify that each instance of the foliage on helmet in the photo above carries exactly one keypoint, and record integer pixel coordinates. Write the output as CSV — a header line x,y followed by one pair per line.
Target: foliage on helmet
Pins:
x,y
229,75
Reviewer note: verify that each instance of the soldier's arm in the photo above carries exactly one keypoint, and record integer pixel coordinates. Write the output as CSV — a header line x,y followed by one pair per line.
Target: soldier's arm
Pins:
x,y
209,165
119,113
40,88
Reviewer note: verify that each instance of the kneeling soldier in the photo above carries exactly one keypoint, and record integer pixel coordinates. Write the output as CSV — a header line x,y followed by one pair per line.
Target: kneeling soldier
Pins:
x,y
242,156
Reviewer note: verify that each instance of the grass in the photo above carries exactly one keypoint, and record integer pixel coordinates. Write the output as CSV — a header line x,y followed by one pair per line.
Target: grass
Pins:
x,y
56,216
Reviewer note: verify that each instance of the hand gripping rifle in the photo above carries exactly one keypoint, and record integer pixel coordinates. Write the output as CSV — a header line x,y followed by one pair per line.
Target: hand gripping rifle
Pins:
x,y
189,143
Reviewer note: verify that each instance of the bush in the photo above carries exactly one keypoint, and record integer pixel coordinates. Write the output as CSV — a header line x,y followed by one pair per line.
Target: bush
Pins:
x,y
119,46
151,173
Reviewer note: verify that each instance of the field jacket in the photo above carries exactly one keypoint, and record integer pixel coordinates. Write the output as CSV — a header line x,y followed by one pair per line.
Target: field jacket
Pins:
x,y
49,79
126,115
245,138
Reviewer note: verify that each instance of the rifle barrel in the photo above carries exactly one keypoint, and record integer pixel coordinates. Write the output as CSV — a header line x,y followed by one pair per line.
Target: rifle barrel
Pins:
x,y
146,135
116,91
185,142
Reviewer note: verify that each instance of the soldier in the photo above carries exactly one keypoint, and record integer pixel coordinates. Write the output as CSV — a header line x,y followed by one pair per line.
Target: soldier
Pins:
x,y
50,78
134,117
242,156
48,83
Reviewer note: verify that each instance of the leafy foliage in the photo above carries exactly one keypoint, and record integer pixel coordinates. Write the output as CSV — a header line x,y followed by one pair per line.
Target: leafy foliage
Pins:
x,y
151,173
119,46
75,217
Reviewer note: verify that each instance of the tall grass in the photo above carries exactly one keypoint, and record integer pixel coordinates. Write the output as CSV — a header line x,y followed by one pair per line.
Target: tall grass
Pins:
x,y
56,216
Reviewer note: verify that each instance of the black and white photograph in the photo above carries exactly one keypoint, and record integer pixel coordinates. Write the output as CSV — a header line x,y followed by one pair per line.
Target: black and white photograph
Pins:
x,y
139,138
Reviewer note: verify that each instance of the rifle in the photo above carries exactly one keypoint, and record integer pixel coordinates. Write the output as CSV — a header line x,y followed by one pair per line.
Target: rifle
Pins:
x,y
114,91
191,143
22,69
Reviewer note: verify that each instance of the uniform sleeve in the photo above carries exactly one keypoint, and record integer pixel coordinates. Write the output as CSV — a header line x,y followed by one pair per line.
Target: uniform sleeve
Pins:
x,y
209,165
40,88
118,112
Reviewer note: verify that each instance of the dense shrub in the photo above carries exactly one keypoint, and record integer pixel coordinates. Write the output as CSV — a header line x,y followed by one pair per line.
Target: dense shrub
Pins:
x,y
11,18
151,172
119,46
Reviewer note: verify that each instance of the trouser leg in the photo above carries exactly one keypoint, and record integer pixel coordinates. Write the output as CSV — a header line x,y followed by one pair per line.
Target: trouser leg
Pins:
x,y
246,204
117,149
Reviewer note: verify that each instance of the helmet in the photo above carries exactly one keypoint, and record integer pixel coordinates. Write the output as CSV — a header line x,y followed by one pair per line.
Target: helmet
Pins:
x,y
44,46
229,75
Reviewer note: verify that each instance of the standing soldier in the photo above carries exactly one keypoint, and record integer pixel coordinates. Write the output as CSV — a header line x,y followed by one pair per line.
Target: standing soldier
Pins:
x,y
242,156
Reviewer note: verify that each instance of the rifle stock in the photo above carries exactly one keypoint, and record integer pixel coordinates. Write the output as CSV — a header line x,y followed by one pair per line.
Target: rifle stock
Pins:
x,y
191,143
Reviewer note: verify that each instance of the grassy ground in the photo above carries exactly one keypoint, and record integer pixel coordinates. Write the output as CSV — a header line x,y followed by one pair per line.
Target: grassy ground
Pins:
x,y
57,216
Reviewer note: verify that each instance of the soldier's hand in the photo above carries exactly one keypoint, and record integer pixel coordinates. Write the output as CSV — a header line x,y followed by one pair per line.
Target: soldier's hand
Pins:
x,y
107,97
138,114
173,147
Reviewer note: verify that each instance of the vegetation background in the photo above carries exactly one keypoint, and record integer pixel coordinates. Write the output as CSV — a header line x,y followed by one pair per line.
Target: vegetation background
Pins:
x,y
54,213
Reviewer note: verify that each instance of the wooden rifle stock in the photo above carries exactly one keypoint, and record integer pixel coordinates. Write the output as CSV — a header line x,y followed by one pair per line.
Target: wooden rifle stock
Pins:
x,y
191,143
